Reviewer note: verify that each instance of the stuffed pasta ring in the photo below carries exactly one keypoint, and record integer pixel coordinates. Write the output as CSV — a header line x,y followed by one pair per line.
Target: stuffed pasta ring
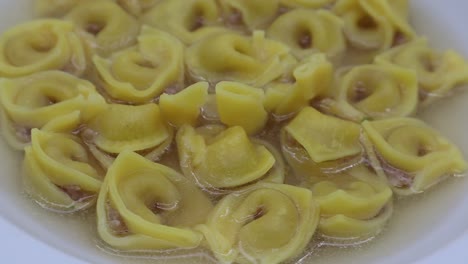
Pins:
x,y
410,154
147,206
38,99
39,45
59,173
265,223
143,72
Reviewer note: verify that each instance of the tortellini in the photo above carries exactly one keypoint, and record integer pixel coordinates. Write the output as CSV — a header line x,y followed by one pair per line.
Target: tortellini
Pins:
x,y
375,24
376,92
241,105
59,173
189,20
438,73
253,14
309,31
411,154
128,128
265,223
145,205
142,72
54,7
354,204
183,108
219,159
313,78
252,60
313,143
40,45
40,99
104,26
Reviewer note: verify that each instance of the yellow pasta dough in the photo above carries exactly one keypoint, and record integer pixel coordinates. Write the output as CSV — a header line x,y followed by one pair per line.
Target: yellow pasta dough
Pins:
x,y
137,7
307,3
189,20
39,45
375,24
253,14
184,107
219,159
145,205
313,78
241,105
252,60
376,92
59,173
413,156
354,204
263,223
438,73
39,99
104,26
309,31
142,72
54,7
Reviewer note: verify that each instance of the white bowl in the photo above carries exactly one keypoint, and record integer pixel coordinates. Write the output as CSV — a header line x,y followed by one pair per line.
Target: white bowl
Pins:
x,y
431,228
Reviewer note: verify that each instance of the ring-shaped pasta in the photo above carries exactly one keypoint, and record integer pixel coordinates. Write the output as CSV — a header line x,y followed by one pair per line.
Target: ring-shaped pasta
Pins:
x,y
252,60
128,128
188,20
53,8
264,223
354,204
38,99
252,14
59,173
412,155
312,78
438,73
220,160
375,24
307,3
39,45
376,92
184,107
104,26
142,72
241,105
309,31
143,205
315,143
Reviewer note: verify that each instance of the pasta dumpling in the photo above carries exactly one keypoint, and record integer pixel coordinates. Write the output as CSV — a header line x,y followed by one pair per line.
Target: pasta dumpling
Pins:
x,y
241,105
313,143
40,99
104,26
312,78
142,72
438,73
309,31
375,24
53,7
354,204
39,45
218,159
59,173
252,60
184,107
264,223
253,14
376,92
307,3
188,20
128,128
410,154
147,206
